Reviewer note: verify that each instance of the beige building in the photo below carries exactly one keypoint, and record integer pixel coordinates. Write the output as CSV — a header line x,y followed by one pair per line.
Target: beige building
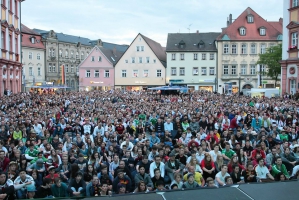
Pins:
x,y
239,46
143,65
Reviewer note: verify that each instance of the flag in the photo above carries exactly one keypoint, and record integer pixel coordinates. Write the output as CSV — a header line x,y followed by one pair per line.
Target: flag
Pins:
x,y
62,75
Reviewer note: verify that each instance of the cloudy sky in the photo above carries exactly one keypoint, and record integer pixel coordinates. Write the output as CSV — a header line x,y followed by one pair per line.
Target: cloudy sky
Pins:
x,y
119,21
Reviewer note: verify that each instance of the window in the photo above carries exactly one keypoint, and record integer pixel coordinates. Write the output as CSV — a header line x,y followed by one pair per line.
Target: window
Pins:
x,y
195,56
82,55
147,59
77,55
32,40
38,71
140,59
142,48
294,39
107,74
242,31
2,40
173,56
99,59
234,49
203,71
263,68
16,45
133,60
154,60
67,68
87,73
252,69
9,4
30,55
145,73
54,68
225,49
72,68
92,58
30,71
72,54
250,19
182,56
173,71
234,69
243,69
182,71
77,69
212,70
53,52
38,56
203,56
126,61
60,53
10,42
263,48
16,7
159,73
137,48
262,31
225,69
253,49
195,71
66,53
135,73
295,3
50,68
244,49
212,56
124,73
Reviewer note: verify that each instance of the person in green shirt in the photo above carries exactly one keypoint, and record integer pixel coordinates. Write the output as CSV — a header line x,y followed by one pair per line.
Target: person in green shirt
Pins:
x,y
39,156
31,153
17,134
142,116
227,153
283,136
278,168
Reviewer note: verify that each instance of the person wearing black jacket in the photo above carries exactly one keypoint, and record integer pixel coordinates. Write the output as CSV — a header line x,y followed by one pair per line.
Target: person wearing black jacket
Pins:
x,y
6,188
159,128
122,179
77,186
122,166
44,190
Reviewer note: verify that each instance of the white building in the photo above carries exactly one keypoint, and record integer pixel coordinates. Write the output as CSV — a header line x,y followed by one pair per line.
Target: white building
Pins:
x,y
192,60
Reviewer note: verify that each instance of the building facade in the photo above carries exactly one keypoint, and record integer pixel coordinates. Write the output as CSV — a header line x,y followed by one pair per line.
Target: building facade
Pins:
x,y
191,60
239,46
96,72
290,56
143,65
10,65
33,58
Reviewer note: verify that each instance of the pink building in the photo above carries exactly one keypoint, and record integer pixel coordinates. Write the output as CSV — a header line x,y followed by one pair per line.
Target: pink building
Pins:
x,y
96,72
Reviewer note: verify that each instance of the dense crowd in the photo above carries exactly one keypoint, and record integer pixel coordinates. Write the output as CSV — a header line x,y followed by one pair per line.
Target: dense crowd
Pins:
x,y
104,143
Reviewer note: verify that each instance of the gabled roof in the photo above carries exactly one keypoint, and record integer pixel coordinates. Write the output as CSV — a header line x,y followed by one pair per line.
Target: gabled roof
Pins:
x,y
27,34
25,29
193,41
273,29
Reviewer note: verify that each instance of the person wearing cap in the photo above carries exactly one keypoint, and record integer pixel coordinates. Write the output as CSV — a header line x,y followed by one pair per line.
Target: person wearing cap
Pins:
x,y
21,183
173,166
77,186
39,167
12,170
52,175
190,183
122,179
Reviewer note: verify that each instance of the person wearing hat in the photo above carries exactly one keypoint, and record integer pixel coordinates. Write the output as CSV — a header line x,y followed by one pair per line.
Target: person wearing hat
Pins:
x,y
173,166
190,183
123,179
77,186
12,170
21,183
52,175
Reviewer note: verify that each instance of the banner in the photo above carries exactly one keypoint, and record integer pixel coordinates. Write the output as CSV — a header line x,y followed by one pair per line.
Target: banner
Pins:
x,y
62,75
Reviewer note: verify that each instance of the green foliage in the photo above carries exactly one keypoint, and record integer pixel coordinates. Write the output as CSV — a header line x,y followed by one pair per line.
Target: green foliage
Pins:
x,y
271,59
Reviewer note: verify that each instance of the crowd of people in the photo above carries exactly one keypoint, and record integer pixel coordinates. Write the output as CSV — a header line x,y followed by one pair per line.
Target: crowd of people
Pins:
x,y
105,143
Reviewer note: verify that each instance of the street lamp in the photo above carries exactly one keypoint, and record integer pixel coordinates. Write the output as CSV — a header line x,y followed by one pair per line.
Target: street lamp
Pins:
x,y
215,91
239,84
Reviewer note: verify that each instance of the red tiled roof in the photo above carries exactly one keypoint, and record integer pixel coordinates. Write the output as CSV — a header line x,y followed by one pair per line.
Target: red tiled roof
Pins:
x,y
252,29
27,33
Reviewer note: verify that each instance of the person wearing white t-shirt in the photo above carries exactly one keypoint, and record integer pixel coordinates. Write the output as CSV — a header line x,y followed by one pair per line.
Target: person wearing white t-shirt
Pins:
x,y
220,176
262,171
214,153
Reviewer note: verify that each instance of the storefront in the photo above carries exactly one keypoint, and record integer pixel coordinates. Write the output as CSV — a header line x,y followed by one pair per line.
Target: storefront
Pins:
x,y
206,88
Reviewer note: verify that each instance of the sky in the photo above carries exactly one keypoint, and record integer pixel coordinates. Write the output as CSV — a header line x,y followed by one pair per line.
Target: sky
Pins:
x,y
119,21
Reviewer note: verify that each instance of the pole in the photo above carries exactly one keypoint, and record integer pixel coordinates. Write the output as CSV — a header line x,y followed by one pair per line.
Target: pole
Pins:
x,y
239,84
260,76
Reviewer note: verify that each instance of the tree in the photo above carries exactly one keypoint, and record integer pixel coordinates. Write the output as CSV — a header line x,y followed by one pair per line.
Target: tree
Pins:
x,y
271,59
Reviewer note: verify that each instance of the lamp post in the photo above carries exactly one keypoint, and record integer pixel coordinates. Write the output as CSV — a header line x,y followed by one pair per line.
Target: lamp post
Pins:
x,y
215,90
239,83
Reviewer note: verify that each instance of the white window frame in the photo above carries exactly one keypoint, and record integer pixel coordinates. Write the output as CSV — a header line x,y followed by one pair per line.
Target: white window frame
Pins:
x,y
212,70
173,71
38,57
30,55
50,67
195,71
195,56
234,49
135,73
107,73
133,59
295,39
203,71
140,59
203,56
100,59
30,71
126,61
252,69
145,73
262,31
32,40
87,73
250,19
182,56
72,68
72,54
226,49
141,48
242,31
147,59
294,3
123,73
182,71
244,49
39,71
53,68
243,69
92,58
60,53
66,53
225,69
82,55
212,56
137,48
263,48
253,49
173,56
234,70
159,73
67,68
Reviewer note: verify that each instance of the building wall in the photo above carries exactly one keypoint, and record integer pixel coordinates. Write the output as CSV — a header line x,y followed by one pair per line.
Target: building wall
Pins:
x,y
10,66
190,78
140,81
92,82
238,60
286,21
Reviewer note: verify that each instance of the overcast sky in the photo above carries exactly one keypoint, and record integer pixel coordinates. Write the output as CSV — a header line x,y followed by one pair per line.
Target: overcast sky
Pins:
x,y
119,21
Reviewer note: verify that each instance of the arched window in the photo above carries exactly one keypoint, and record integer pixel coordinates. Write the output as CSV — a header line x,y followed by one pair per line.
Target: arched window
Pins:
x,y
77,55
242,31
82,55
72,54
66,53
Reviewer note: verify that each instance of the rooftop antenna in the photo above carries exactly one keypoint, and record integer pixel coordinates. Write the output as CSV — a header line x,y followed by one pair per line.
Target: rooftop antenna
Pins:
x,y
189,27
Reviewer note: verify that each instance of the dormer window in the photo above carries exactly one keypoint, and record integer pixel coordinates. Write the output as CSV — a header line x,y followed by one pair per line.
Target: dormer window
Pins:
x,y
182,44
201,44
262,31
250,19
32,40
242,31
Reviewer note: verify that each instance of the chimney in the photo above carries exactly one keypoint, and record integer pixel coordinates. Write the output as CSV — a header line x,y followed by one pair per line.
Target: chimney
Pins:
x,y
280,20
227,23
230,19
100,43
197,32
